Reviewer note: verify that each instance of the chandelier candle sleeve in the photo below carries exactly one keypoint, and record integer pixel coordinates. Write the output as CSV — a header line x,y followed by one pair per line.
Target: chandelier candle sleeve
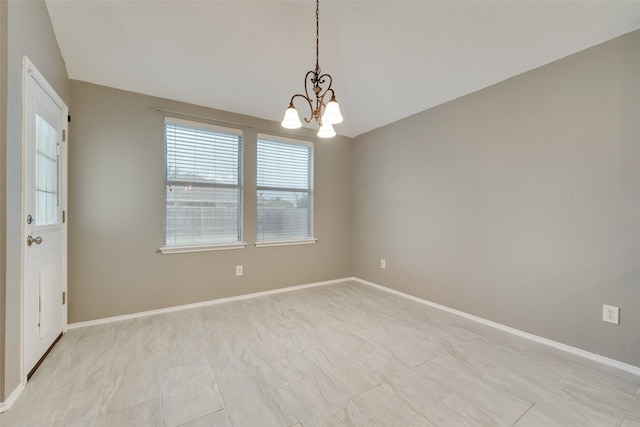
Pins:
x,y
326,131
325,114
332,113
291,119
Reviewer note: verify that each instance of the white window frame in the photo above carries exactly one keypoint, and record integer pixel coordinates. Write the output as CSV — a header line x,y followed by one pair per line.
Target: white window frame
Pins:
x,y
170,249
310,194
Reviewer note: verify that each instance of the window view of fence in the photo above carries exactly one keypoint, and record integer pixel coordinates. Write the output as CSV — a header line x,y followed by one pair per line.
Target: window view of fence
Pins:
x,y
284,190
203,184
201,216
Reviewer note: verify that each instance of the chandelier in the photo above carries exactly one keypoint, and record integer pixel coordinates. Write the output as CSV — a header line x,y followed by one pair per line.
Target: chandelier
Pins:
x,y
326,115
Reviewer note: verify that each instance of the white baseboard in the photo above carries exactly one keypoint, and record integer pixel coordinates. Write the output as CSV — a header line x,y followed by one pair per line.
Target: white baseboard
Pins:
x,y
200,304
4,406
569,349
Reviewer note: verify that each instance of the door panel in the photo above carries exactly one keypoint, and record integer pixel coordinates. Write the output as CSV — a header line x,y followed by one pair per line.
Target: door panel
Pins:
x,y
49,284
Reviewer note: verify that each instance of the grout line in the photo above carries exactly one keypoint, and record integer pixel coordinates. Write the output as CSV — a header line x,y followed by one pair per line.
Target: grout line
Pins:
x,y
350,399
204,416
563,376
524,413
217,383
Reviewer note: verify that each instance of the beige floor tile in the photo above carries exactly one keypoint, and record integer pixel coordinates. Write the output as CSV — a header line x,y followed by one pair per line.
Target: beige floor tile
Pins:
x,y
342,354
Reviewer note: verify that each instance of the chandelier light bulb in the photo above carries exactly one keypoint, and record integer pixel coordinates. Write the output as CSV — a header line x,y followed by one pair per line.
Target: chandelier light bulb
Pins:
x,y
326,131
291,119
332,113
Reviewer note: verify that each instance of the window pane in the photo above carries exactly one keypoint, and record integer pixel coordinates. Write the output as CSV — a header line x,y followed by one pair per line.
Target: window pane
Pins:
x,y
201,155
203,185
201,216
46,173
283,215
284,196
283,165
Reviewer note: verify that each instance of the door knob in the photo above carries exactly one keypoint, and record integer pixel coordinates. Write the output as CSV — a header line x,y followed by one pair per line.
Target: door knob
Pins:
x,y
32,240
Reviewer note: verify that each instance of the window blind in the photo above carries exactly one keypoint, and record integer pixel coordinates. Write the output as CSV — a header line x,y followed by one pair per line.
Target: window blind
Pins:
x,y
203,184
284,190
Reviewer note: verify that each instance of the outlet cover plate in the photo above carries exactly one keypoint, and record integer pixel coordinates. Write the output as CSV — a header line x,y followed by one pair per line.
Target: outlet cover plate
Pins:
x,y
239,271
611,314
383,263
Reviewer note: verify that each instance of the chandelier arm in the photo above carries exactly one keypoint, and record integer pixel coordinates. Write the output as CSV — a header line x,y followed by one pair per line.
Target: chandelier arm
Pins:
x,y
306,98
310,77
313,80
324,104
321,80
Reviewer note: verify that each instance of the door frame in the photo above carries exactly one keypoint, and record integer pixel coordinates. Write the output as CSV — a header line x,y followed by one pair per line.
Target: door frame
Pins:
x,y
29,71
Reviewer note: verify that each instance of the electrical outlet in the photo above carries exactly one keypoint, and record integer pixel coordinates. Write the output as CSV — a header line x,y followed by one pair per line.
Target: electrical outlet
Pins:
x,y
238,270
611,314
383,264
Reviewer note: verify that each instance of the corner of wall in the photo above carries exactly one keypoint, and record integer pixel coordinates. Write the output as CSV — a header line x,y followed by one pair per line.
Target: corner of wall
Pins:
x,y
3,148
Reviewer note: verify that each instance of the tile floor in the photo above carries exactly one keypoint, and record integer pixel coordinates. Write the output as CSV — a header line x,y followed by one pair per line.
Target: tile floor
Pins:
x,y
336,355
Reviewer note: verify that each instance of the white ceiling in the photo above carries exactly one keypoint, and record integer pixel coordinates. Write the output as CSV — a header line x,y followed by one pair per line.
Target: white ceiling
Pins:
x,y
388,59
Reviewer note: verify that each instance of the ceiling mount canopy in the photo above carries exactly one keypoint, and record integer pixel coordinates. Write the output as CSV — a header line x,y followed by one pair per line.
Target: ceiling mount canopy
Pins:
x,y
326,114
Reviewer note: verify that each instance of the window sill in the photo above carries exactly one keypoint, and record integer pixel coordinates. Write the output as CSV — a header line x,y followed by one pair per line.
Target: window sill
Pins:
x,y
185,249
269,243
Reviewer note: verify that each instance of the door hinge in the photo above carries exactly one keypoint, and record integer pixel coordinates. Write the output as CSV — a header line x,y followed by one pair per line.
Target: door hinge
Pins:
x,y
64,135
64,217
64,298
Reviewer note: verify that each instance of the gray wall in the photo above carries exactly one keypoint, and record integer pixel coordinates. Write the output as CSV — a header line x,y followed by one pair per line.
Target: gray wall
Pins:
x,y
519,203
29,32
116,213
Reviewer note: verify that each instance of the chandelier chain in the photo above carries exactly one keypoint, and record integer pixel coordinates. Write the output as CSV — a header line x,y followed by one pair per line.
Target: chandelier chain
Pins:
x,y
317,38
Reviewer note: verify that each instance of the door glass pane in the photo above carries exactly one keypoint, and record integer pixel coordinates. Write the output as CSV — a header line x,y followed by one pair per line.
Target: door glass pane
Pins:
x,y
46,173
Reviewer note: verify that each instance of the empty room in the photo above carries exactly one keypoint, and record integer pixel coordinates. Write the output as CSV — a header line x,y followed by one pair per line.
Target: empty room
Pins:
x,y
302,213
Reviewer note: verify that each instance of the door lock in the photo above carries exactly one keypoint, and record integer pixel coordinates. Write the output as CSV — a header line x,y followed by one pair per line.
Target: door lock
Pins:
x,y
29,219
31,240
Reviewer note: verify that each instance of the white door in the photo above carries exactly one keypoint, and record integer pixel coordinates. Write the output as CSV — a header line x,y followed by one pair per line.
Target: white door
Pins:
x,y
44,222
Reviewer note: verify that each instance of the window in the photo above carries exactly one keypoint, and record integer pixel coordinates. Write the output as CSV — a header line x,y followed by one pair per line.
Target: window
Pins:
x,y
284,191
203,186
46,173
